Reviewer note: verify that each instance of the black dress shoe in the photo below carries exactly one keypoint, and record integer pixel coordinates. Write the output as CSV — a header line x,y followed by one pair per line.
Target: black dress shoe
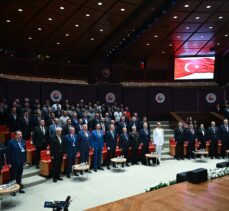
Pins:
x,y
59,178
37,166
68,176
127,164
95,170
89,171
101,168
108,168
13,194
21,191
76,174
54,180
81,173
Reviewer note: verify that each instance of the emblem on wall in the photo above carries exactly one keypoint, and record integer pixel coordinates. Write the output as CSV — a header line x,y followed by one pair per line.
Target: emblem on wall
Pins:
x,y
56,96
211,97
106,73
160,98
110,97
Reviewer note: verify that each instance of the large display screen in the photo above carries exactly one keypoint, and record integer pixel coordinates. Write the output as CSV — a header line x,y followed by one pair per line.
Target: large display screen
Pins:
x,y
192,68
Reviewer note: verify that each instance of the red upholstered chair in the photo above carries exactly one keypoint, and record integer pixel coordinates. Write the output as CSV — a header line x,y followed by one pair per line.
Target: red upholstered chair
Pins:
x,y
172,147
30,152
185,148
5,175
151,147
45,163
219,147
104,154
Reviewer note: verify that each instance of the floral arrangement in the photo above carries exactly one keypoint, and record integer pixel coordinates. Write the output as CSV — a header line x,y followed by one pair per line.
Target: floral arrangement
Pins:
x,y
218,172
161,185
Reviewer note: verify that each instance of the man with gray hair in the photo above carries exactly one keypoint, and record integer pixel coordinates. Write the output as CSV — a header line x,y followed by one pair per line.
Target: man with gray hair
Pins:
x,y
56,152
158,139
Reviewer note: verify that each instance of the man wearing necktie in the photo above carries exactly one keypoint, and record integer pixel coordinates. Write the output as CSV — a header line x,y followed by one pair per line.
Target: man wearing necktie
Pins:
x,y
191,137
212,135
56,152
202,136
111,144
70,149
224,137
179,136
16,157
40,140
124,144
144,140
25,125
97,144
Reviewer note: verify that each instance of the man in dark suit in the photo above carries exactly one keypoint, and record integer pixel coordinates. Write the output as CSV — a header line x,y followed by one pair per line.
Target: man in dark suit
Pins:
x,y
25,125
52,128
133,123
111,144
121,125
40,140
70,149
95,121
97,144
75,120
144,137
35,121
202,136
212,134
16,157
134,143
56,152
190,136
66,128
84,141
224,137
124,144
13,120
179,136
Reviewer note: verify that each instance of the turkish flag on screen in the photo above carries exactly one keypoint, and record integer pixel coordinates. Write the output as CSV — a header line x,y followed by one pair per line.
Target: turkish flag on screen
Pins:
x,y
192,65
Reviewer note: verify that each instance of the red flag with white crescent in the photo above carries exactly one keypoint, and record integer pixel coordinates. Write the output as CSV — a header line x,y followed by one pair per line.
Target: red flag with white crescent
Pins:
x,y
192,65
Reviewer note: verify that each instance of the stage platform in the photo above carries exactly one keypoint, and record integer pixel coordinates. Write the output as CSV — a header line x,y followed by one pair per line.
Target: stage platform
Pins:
x,y
209,196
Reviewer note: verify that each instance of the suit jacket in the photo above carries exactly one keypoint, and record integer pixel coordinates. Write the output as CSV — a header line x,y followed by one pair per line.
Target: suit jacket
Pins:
x,y
52,130
97,141
16,155
94,122
83,141
224,134
110,141
35,122
213,136
121,125
131,124
39,137
12,123
71,145
124,142
134,139
65,130
190,137
144,137
25,127
56,148
179,135
202,136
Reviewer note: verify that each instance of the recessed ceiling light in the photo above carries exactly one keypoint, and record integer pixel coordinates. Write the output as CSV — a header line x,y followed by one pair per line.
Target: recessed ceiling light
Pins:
x,y
163,52
123,39
186,5
220,17
87,15
77,25
197,17
20,10
187,27
155,35
39,29
58,43
50,19
100,3
174,17
101,30
170,44
201,36
61,8
226,35
147,44
210,27
178,36
30,38
8,21
122,9
208,6
67,35
92,38
218,43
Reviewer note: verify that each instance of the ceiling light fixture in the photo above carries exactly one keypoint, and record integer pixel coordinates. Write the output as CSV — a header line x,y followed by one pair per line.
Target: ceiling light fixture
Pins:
x,y
101,30
77,25
67,35
155,35
61,8
220,17
174,17
100,3
210,27
30,38
208,6
187,27
39,29
226,35
122,9
163,52
20,10
8,21
147,44
92,39
186,5
58,43
170,44
50,19
87,15
197,17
